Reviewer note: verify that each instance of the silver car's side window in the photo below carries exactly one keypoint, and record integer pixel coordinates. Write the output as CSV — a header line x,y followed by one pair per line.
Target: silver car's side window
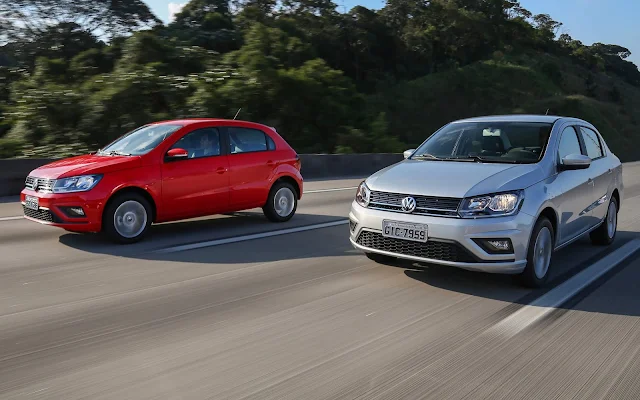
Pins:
x,y
569,143
592,143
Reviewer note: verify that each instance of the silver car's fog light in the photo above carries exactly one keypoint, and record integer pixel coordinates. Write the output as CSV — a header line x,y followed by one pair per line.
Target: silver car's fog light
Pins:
x,y
500,245
352,225
495,246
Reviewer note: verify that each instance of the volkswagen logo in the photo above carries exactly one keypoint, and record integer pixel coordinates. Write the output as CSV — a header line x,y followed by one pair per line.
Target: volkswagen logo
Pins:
x,y
408,204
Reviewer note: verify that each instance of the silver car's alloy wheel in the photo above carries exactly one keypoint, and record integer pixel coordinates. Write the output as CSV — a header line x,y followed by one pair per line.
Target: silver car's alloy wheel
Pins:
x,y
130,219
283,202
542,252
612,219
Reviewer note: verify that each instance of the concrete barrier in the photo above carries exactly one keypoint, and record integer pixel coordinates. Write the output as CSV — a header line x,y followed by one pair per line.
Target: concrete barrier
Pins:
x,y
314,166
13,173
318,166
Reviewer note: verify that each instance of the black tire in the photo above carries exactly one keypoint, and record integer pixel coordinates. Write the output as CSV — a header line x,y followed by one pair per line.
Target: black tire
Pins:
x,y
108,218
602,236
269,209
528,277
379,258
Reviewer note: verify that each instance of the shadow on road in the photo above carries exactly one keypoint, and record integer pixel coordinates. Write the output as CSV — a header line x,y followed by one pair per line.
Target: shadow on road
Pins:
x,y
333,243
275,248
567,263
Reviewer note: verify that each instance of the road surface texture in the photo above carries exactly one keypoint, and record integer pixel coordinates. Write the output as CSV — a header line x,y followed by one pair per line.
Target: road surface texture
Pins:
x,y
200,310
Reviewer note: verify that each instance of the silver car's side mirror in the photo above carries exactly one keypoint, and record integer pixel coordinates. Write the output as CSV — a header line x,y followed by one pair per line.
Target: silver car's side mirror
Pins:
x,y
408,153
575,161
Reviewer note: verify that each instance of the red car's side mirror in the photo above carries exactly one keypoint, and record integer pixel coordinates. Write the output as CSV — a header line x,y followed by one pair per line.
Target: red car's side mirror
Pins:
x,y
176,154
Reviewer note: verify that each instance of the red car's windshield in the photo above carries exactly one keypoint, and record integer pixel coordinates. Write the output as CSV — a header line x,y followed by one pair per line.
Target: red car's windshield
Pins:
x,y
140,141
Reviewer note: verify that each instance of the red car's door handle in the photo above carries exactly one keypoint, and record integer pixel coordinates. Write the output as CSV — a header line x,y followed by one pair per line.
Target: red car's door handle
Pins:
x,y
270,163
221,170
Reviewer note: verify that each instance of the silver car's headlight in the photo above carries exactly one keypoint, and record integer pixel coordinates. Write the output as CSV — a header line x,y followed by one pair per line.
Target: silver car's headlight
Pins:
x,y
363,195
496,205
73,184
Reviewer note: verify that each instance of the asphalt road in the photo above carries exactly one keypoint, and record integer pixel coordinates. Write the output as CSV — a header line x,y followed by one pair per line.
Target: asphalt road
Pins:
x,y
200,310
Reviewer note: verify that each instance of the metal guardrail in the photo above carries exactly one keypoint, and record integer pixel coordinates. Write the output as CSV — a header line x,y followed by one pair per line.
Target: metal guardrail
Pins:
x,y
13,172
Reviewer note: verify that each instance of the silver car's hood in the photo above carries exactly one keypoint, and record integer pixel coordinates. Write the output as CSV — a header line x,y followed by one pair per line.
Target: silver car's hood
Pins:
x,y
454,178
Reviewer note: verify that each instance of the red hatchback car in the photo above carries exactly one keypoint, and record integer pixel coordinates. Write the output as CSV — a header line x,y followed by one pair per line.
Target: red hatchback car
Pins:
x,y
167,171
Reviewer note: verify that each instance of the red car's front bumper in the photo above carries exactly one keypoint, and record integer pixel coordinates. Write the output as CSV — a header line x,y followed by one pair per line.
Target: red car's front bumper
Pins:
x,y
57,209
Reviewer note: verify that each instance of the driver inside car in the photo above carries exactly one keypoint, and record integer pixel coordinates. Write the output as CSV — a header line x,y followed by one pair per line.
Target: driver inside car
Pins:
x,y
209,146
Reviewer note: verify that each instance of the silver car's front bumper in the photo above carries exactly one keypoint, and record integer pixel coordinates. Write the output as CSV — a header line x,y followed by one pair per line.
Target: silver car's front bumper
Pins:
x,y
450,240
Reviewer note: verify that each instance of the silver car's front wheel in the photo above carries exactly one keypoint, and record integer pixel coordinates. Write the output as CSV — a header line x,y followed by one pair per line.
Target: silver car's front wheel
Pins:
x,y
542,253
539,254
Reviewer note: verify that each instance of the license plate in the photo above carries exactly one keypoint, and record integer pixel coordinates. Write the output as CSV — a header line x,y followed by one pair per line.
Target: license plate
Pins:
x,y
32,203
404,230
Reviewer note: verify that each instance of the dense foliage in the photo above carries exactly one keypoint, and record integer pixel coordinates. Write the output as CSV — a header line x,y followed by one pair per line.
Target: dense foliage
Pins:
x,y
361,81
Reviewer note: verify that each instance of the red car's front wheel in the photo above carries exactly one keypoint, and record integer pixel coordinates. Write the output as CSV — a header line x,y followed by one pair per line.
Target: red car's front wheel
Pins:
x,y
127,218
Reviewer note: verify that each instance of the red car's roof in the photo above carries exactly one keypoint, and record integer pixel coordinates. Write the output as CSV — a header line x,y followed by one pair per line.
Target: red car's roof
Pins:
x,y
190,121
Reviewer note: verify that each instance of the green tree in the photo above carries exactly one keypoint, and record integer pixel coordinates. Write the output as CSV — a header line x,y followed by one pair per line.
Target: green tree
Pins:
x,y
208,24
75,74
28,20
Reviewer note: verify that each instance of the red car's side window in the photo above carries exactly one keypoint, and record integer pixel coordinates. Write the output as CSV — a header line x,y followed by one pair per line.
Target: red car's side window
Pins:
x,y
203,142
248,140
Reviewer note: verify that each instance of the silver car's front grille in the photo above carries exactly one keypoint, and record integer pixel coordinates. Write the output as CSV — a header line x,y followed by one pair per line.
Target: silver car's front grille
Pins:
x,y
425,205
434,250
39,184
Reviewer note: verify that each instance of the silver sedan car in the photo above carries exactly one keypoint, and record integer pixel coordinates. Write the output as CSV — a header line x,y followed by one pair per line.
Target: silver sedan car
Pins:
x,y
495,194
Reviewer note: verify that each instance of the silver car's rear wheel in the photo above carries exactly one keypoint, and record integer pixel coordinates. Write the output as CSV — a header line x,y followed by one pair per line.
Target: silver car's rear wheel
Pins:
x,y
606,232
612,220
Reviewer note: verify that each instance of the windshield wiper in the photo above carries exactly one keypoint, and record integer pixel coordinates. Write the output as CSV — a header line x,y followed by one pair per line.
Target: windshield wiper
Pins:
x,y
491,160
426,156
116,153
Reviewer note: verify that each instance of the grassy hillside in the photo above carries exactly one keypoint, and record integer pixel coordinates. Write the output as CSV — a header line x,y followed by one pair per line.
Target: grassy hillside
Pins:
x,y
524,85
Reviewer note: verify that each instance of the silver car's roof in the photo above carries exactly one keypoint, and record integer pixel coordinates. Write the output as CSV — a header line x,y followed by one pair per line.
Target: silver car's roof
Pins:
x,y
514,118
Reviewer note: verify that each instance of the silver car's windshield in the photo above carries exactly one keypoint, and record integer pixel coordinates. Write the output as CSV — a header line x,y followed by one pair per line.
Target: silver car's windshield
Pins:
x,y
140,141
491,142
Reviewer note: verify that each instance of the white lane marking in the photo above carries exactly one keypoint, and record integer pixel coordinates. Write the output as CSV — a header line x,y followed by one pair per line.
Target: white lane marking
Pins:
x,y
559,295
11,218
329,190
244,238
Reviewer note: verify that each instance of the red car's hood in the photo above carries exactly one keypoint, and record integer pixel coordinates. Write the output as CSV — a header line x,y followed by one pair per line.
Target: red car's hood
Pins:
x,y
87,164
